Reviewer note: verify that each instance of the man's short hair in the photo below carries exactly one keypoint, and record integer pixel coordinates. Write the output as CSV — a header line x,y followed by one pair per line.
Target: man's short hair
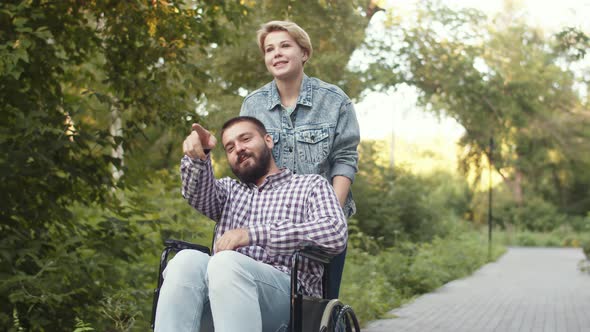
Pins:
x,y
259,125
296,32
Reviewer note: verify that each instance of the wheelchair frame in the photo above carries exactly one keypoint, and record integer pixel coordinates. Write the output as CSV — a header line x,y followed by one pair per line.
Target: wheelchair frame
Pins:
x,y
320,313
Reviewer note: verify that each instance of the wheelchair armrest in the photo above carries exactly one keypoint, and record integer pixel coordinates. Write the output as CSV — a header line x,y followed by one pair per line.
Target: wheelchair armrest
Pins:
x,y
178,245
313,252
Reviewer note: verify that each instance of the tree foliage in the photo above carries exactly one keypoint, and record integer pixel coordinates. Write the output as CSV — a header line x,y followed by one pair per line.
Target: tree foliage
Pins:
x,y
503,80
64,65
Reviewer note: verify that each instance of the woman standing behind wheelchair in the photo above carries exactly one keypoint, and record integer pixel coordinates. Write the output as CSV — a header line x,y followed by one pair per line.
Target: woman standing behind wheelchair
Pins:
x,y
313,123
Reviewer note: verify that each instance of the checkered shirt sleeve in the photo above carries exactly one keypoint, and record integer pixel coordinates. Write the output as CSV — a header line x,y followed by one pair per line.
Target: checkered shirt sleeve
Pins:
x,y
200,188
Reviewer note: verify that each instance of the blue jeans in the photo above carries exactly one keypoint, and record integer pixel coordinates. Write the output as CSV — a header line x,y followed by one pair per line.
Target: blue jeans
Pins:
x,y
229,290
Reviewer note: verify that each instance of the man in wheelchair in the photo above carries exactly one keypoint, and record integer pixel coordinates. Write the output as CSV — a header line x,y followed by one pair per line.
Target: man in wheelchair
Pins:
x,y
261,221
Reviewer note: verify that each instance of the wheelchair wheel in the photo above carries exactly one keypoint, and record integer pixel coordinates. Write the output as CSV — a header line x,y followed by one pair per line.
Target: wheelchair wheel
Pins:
x,y
338,317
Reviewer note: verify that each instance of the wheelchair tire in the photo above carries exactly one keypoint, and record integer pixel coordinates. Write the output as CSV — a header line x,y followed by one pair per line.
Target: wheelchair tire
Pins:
x,y
338,317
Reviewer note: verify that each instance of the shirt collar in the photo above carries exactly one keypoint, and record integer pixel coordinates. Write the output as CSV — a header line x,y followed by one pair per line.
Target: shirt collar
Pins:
x,y
275,180
305,94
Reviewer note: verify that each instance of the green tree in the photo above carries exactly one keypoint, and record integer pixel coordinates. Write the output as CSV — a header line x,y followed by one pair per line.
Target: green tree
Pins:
x,y
64,67
502,80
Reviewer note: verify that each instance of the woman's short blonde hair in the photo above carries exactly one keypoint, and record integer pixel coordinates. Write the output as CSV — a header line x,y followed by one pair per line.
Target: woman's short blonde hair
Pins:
x,y
296,32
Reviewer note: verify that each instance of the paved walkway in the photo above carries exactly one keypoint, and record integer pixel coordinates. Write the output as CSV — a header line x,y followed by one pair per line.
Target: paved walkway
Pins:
x,y
527,289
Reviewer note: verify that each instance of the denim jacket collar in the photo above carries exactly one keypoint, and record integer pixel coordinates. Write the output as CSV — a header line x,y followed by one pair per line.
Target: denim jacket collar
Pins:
x,y
305,94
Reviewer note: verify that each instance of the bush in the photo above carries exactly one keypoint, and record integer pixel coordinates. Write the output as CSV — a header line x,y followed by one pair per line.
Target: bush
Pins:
x,y
538,215
526,240
580,224
366,287
584,265
395,205
394,208
534,214
586,248
119,252
563,236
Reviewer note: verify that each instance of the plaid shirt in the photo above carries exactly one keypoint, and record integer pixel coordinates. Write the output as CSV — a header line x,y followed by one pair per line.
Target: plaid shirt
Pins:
x,y
281,213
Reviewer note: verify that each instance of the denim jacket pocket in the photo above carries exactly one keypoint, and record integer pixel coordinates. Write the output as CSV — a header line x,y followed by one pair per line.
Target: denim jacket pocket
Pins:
x,y
313,145
276,150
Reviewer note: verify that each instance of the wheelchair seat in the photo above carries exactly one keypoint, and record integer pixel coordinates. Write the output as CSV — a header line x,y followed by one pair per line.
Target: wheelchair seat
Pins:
x,y
308,313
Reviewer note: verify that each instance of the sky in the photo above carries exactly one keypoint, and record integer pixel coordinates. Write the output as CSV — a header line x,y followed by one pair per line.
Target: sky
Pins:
x,y
379,113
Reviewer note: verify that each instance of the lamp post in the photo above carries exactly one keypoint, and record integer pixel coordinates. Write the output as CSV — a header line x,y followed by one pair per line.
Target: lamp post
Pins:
x,y
490,220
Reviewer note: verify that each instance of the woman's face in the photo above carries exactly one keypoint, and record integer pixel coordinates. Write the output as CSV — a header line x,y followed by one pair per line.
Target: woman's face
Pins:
x,y
283,57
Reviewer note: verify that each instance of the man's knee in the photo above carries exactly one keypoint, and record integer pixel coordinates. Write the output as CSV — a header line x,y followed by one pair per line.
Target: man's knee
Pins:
x,y
187,267
225,266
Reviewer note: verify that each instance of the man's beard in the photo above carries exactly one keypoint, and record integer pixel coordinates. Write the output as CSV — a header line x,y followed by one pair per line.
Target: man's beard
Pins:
x,y
257,170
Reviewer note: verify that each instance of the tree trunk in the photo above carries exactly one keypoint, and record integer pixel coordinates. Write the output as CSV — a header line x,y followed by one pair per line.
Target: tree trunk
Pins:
x,y
116,130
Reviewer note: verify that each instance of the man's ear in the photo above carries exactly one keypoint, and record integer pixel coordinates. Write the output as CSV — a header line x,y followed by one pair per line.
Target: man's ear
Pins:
x,y
269,142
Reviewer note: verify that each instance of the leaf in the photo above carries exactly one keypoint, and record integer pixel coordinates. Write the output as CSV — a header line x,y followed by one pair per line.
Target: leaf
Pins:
x,y
19,22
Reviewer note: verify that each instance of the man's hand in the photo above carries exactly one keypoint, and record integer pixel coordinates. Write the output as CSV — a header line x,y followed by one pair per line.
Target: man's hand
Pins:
x,y
197,142
232,240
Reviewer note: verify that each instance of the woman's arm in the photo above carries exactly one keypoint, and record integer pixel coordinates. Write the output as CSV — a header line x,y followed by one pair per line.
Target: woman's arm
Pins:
x,y
344,155
341,186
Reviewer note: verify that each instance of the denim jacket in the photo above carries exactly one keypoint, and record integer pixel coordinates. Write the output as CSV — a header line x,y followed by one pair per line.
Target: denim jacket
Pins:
x,y
319,136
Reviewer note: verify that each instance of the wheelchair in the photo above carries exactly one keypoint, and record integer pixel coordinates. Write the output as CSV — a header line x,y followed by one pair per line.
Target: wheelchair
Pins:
x,y
308,314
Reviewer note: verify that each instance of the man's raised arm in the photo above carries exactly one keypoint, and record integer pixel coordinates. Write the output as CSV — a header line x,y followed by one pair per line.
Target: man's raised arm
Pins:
x,y
199,186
